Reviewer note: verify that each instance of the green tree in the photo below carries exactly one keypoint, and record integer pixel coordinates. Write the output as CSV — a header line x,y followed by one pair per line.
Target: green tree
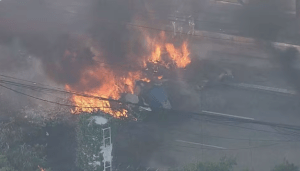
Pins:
x,y
25,157
89,139
225,164
285,166
4,164
15,154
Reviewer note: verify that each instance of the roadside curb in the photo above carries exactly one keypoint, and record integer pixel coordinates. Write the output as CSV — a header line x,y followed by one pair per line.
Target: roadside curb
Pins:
x,y
264,88
239,39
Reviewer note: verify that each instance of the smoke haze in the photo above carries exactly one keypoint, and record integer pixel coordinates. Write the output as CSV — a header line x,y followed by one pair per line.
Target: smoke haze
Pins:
x,y
263,19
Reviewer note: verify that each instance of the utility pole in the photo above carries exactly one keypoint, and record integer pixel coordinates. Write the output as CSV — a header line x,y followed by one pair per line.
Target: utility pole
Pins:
x,y
191,26
174,28
241,2
297,15
298,10
202,120
250,154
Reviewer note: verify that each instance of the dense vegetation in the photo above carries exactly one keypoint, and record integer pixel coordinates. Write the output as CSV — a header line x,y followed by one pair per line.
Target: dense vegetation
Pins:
x,y
89,139
227,164
20,150
15,153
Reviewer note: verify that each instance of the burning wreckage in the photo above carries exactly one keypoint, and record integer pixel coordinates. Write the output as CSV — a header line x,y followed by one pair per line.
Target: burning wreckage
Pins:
x,y
137,87
148,96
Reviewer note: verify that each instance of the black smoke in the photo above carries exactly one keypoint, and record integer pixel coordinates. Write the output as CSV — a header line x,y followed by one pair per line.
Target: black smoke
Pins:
x,y
288,59
267,22
48,29
263,19
109,28
48,38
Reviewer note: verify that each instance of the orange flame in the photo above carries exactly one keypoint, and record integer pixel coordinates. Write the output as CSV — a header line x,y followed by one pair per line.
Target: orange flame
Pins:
x,y
146,80
156,55
180,57
41,169
113,84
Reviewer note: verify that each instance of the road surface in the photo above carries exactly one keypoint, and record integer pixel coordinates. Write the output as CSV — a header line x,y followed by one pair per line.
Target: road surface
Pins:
x,y
181,139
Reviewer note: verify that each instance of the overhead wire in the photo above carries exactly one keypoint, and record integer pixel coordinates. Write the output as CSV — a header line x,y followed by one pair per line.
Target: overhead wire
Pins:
x,y
95,107
272,124
170,31
212,120
259,130
231,138
218,122
33,82
67,92
48,101
225,149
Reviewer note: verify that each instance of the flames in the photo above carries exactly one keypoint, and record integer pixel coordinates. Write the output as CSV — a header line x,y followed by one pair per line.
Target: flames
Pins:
x,y
41,169
159,48
156,55
112,86
113,83
180,57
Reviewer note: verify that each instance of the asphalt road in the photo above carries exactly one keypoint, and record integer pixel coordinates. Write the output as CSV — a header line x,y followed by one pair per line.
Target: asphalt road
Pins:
x,y
182,139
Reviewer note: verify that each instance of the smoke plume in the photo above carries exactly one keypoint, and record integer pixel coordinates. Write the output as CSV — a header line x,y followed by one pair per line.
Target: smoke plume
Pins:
x,y
266,21
263,19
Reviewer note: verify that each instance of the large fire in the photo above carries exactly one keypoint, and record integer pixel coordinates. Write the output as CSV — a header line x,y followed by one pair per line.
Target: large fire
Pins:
x,y
179,56
113,84
41,169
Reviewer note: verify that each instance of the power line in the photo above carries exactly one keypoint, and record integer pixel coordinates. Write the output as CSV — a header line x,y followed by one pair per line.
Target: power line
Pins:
x,y
225,149
66,92
290,132
106,99
33,82
177,145
231,138
259,130
242,148
158,29
219,118
170,31
48,101
247,128
95,107
272,124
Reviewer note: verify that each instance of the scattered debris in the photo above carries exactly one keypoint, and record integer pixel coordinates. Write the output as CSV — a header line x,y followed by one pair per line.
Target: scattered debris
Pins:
x,y
158,98
99,120
131,98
